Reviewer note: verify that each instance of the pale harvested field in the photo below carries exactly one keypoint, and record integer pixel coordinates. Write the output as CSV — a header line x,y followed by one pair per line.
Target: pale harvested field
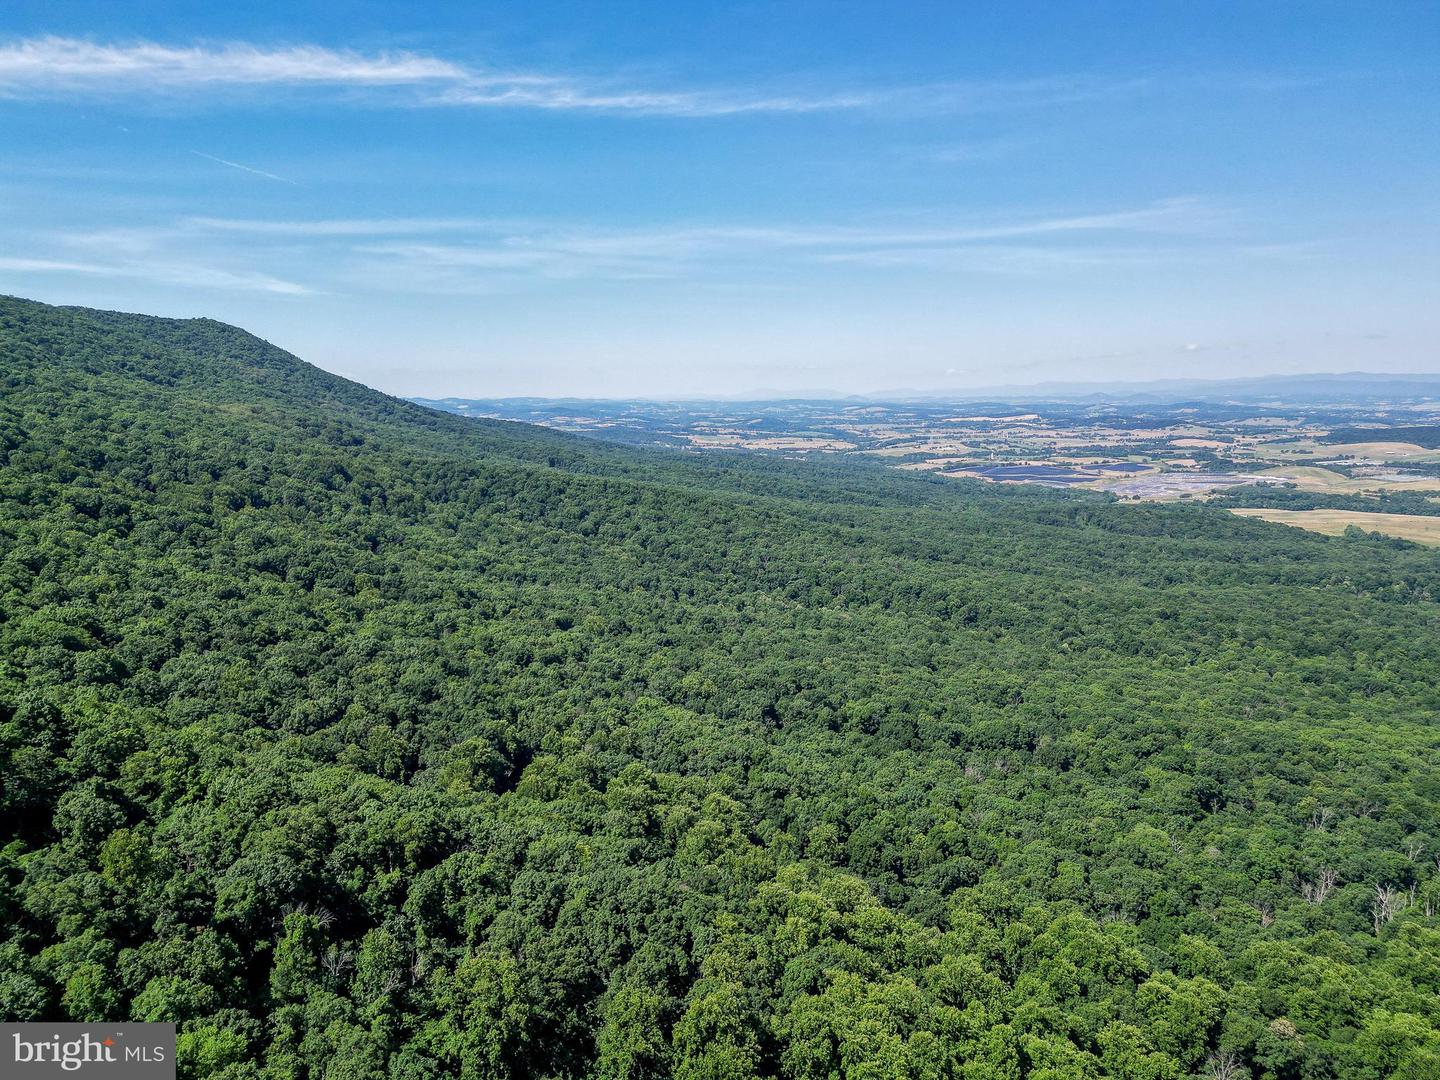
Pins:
x,y
1370,451
758,442
896,451
1387,450
1417,527
989,419
929,446
1314,478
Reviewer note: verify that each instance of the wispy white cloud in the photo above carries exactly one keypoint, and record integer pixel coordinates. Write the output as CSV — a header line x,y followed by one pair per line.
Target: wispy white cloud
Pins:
x,y
1164,230
338,226
1183,214
242,168
198,276
59,66
46,66
60,63
447,255
572,95
46,265
1050,258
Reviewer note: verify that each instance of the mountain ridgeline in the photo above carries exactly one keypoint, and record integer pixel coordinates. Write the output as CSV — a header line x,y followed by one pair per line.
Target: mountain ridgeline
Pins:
x,y
364,741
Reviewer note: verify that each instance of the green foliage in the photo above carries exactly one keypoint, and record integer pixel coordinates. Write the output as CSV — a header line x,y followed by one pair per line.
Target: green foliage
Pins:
x,y
1422,503
364,741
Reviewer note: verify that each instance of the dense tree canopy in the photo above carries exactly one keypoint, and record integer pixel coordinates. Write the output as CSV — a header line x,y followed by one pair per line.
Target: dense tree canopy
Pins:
x,y
364,741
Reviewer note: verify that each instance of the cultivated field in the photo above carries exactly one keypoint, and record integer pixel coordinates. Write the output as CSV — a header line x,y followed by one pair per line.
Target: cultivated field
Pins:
x,y
1150,451
1330,482
1416,527
1309,449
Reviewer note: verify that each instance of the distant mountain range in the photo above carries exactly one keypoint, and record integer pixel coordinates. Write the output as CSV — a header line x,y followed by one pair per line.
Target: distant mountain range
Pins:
x,y
1345,386
1353,386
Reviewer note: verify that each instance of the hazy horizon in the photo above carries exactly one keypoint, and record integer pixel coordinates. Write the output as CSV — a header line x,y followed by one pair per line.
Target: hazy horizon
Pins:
x,y
900,395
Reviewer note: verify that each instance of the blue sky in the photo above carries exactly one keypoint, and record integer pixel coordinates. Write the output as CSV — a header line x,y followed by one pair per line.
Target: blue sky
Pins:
x,y
688,198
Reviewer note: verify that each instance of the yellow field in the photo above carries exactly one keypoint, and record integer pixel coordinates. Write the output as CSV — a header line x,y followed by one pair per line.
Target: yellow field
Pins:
x,y
1416,527
1314,478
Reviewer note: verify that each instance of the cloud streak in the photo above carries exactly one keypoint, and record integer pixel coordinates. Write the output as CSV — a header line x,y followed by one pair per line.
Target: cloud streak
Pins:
x,y
63,66
566,95
199,276
484,255
464,255
242,168
59,63
435,247
339,227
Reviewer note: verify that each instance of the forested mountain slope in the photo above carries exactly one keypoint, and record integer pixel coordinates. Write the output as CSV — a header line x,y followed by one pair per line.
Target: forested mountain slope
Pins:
x,y
365,741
